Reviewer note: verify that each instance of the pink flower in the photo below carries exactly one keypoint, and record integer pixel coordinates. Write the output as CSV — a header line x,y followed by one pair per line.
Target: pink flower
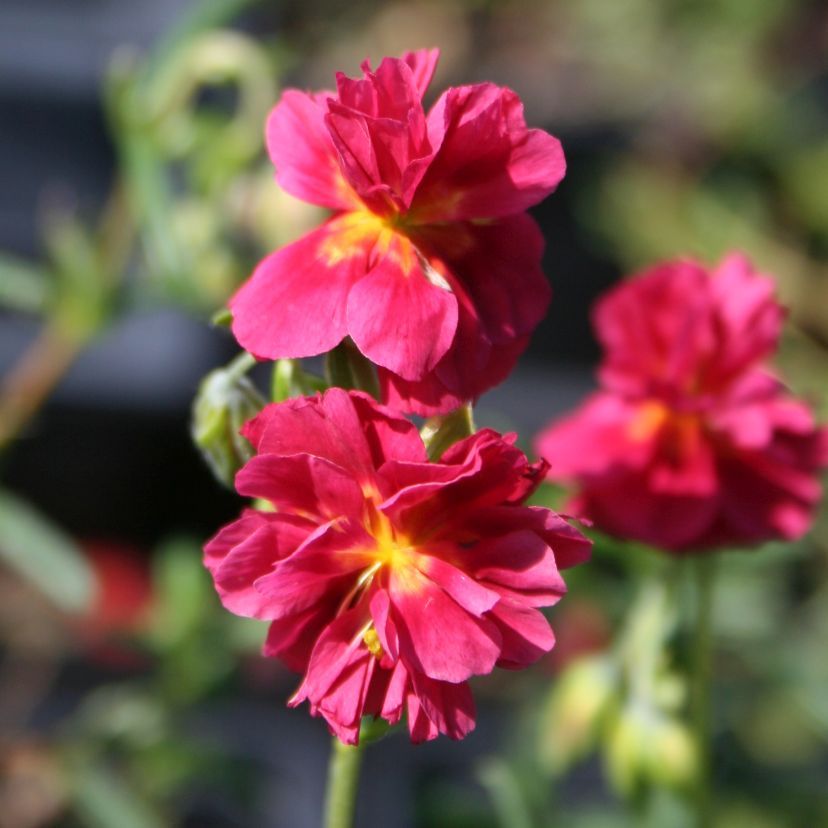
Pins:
x,y
691,443
429,262
389,580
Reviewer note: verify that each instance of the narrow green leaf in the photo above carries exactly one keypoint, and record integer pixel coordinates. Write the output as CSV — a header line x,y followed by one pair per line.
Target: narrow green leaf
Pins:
x,y
42,554
507,797
102,800
23,286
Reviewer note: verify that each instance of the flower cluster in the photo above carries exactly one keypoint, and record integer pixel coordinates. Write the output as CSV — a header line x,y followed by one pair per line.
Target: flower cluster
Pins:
x,y
389,580
692,442
429,262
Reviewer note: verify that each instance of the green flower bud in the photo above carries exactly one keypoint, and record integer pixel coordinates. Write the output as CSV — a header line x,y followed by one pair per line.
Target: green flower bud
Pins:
x,y
226,399
576,707
647,749
627,750
673,755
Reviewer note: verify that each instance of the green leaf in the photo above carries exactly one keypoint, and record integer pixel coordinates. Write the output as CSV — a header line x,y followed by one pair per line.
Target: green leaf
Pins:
x,y
346,367
42,554
23,286
184,596
504,789
102,800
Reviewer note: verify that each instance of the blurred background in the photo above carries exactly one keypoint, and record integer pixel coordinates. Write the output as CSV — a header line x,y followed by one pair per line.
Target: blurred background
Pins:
x,y
136,197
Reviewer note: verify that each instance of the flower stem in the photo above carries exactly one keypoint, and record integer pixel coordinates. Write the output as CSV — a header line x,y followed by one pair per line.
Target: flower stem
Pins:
x,y
701,689
343,784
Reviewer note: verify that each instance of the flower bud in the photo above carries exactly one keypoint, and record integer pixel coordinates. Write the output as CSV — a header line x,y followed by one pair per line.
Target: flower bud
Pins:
x,y
627,750
582,696
646,748
226,399
674,759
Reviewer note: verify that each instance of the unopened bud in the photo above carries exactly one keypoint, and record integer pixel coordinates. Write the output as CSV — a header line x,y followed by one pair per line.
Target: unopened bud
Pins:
x,y
226,399
627,750
573,715
646,749
674,759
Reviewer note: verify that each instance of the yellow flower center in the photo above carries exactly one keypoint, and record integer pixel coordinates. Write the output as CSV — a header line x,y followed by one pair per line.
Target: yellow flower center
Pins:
x,y
680,432
362,232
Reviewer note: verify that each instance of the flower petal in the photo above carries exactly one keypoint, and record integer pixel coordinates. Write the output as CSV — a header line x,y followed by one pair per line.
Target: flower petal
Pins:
x,y
347,428
254,557
472,596
525,632
398,318
423,63
521,565
325,566
294,303
488,163
338,676
454,648
292,637
301,484
378,126
448,707
301,149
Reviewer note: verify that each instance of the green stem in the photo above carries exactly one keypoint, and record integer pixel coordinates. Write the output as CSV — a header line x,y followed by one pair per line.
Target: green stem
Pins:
x,y
701,686
343,784
240,365
444,430
346,367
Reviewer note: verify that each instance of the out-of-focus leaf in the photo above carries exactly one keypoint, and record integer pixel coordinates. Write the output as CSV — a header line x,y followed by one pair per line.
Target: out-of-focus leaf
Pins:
x,y
23,286
183,592
40,552
499,780
102,800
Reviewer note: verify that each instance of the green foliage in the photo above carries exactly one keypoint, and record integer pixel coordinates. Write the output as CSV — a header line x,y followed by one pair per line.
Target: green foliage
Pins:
x,y
42,554
23,286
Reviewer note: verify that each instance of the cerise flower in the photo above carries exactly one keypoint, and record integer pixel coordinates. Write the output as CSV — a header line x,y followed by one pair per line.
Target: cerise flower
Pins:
x,y
390,580
429,263
692,443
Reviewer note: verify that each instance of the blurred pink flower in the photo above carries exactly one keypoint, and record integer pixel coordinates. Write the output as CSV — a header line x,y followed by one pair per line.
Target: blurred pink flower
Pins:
x,y
390,580
691,443
430,262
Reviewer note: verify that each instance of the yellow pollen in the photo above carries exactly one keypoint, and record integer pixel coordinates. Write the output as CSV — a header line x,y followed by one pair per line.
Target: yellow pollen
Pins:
x,y
372,642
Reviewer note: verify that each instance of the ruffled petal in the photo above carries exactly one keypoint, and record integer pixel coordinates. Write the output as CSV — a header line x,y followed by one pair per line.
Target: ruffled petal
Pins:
x,y
256,555
488,163
378,127
325,566
439,707
301,484
346,428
